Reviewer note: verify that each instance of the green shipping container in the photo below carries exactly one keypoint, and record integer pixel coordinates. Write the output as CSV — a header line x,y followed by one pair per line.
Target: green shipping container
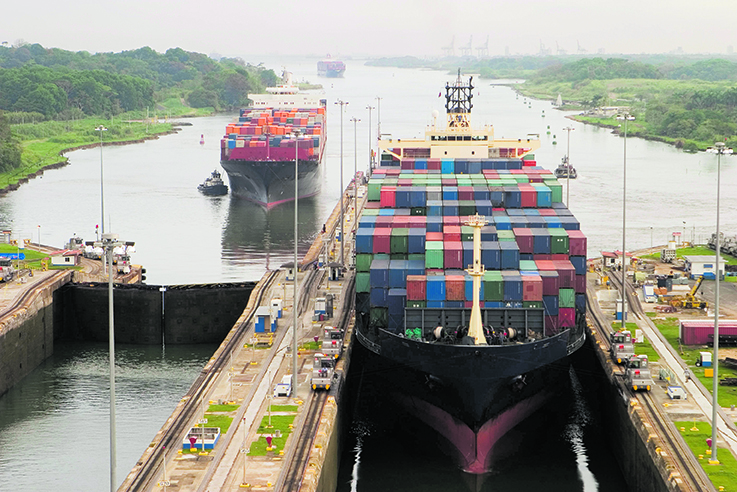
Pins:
x,y
363,282
418,211
557,190
374,190
527,266
398,256
434,254
416,256
506,235
363,262
567,298
400,240
559,241
416,304
466,233
532,304
493,286
378,317
370,212
466,207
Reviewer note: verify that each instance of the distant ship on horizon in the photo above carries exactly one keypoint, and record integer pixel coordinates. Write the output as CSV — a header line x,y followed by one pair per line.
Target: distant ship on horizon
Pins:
x,y
330,68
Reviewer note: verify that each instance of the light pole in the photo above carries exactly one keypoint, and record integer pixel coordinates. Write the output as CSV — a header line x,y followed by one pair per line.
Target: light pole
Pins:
x,y
378,116
342,211
108,243
369,107
102,195
568,163
715,403
355,170
626,117
295,310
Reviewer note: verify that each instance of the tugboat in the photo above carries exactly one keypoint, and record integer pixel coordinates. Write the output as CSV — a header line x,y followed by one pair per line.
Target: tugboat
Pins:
x,y
565,170
213,185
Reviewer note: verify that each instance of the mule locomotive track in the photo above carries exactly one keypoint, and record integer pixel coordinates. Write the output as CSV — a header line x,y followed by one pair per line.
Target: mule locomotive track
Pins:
x,y
146,476
683,461
291,477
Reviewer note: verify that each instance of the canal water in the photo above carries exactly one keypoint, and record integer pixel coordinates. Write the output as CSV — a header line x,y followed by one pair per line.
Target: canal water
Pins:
x,y
53,425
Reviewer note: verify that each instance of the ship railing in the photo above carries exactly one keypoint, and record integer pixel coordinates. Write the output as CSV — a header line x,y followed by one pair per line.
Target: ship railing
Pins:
x,y
370,344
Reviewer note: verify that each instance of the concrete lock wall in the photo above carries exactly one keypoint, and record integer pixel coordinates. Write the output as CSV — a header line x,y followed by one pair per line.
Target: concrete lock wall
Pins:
x,y
642,466
184,314
24,344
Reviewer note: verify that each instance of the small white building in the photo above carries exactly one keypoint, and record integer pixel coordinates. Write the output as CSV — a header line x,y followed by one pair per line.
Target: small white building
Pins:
x,y
67,257
703,265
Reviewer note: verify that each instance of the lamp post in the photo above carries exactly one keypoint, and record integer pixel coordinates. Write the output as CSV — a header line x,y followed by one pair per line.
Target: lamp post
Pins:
x,y
355,170
295,310
626,117
108,243
719,146
342,211
569,128
369,107
378,115
102,195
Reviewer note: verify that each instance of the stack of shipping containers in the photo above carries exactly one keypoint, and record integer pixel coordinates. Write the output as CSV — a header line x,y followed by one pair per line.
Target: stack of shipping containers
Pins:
x,y
412,244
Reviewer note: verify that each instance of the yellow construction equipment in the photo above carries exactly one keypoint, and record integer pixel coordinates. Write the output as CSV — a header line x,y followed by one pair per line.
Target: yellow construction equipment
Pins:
x,y
689,301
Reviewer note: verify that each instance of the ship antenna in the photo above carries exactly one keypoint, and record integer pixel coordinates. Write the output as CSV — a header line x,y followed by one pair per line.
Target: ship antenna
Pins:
x,y
458,102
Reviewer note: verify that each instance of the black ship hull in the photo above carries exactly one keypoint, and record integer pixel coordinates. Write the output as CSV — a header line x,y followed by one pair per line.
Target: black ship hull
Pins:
x,y
472,395
270,183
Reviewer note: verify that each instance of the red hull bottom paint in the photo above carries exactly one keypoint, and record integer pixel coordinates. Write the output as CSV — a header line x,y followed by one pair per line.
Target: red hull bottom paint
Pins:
x,y
475,450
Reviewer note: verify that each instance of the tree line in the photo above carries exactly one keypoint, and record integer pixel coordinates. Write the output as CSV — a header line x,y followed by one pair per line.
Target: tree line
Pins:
x,y
62,84
10,149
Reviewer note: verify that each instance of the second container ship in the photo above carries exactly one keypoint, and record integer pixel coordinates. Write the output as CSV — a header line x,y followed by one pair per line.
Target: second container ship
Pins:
x,y
471,280
259,150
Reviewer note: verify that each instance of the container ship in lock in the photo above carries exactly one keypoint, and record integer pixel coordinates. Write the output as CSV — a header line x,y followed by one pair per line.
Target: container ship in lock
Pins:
x,y
258,151
470,280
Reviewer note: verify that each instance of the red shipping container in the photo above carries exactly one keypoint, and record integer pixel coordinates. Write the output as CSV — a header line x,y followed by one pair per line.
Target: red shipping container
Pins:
x,y
532,288
465,192
455,288
448,181
382,240
547,265
452,233
433,236
384,221
548,212
566,317
417,221
579,284
701,332
393,172
404,182
434,164
559,256
551,325
388,196
566,273
451,220
453,258
401,221
407,164
551,284
576,243
525,240
528,195
416,287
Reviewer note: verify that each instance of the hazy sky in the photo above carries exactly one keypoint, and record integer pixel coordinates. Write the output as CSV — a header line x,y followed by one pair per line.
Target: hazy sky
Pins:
x,y
373,27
